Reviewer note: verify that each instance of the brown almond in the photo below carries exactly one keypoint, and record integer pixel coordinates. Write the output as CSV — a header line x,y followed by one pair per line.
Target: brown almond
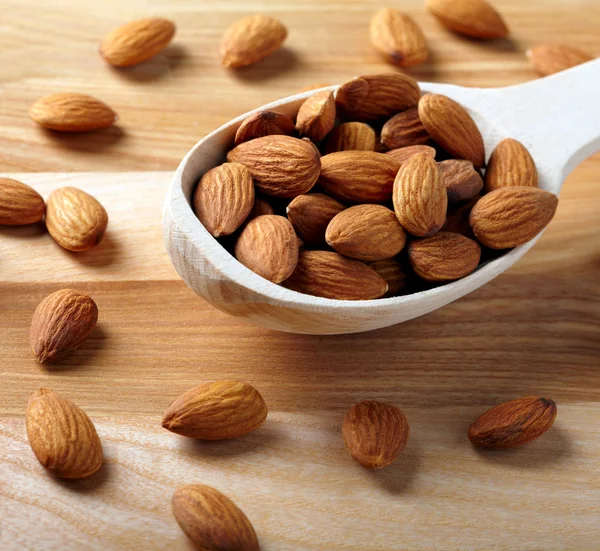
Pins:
x,y
398,38
404,153
264,123
444,256
351,136
19,203
393,273
461,179
310,215
216,411
281,166
366,232
420,198
260,208
511,216
75,220
268,246
61,435
403,130
358,176
316,116
457,218
70,112
137,41
224,198
513,423
510,165
548,59
375,97
251,39
375,433
211,520
451,126
331,275
475,18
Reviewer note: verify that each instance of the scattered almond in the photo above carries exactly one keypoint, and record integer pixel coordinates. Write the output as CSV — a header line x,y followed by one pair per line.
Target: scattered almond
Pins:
x,y
403,130
404,153
19,203
264,123
316,117
351,136
510,165
461,179
475,18
548,59
393,273
310,215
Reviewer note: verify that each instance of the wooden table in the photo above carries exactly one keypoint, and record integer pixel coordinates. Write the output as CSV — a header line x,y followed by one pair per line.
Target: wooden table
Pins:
x,y
534,330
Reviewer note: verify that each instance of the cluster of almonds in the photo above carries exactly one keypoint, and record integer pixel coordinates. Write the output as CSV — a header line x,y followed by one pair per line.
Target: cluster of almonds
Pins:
x,y
347,240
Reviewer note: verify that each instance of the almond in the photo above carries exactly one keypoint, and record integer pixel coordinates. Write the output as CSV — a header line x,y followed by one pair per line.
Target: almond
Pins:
x,y
316,117
398,38
61,322
375,433
61,435
513,423
351,136
359,176
281,166
366,232
264,123
420,198
461,179
137,41
331,275
512,216
216,411
393,273
260,208
548,59
310,215
19,203
510,165
404,153
70,112
444,256
451,126
223,198
211,520
403,130
75,220
268,246
457,218
375,97
251,39
475,18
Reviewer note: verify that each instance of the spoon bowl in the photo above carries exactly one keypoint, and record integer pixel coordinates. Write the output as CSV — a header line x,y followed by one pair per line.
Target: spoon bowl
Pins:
x,y
557,118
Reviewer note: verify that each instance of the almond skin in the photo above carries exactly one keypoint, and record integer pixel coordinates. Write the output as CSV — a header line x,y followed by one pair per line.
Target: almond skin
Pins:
x,y
281,166
457,218
444,256
366,232
61,435
404,153
451,126
376,97
331,275
393,273
548,59
223,198
264,123
398,38
420,198
211,520
70,112
75,220
513,423
260,208
268,246
19,203
316,116
310,215
251,39
461,179
137,41
512,216
61,322
375,433
475,18
216,411
351,136
403,130
510,165
359,176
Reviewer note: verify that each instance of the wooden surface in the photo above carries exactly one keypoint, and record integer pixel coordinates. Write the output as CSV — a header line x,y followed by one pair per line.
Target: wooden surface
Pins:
x,y
534,330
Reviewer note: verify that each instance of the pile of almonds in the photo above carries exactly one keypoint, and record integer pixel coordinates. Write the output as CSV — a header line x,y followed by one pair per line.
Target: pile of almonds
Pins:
x,y
350,202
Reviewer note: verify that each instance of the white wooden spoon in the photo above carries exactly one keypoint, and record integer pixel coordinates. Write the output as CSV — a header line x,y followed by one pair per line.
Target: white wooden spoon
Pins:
x,y
557,118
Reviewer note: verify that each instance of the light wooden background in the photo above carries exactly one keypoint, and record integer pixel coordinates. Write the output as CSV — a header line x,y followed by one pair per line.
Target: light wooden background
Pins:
x,y
534,330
